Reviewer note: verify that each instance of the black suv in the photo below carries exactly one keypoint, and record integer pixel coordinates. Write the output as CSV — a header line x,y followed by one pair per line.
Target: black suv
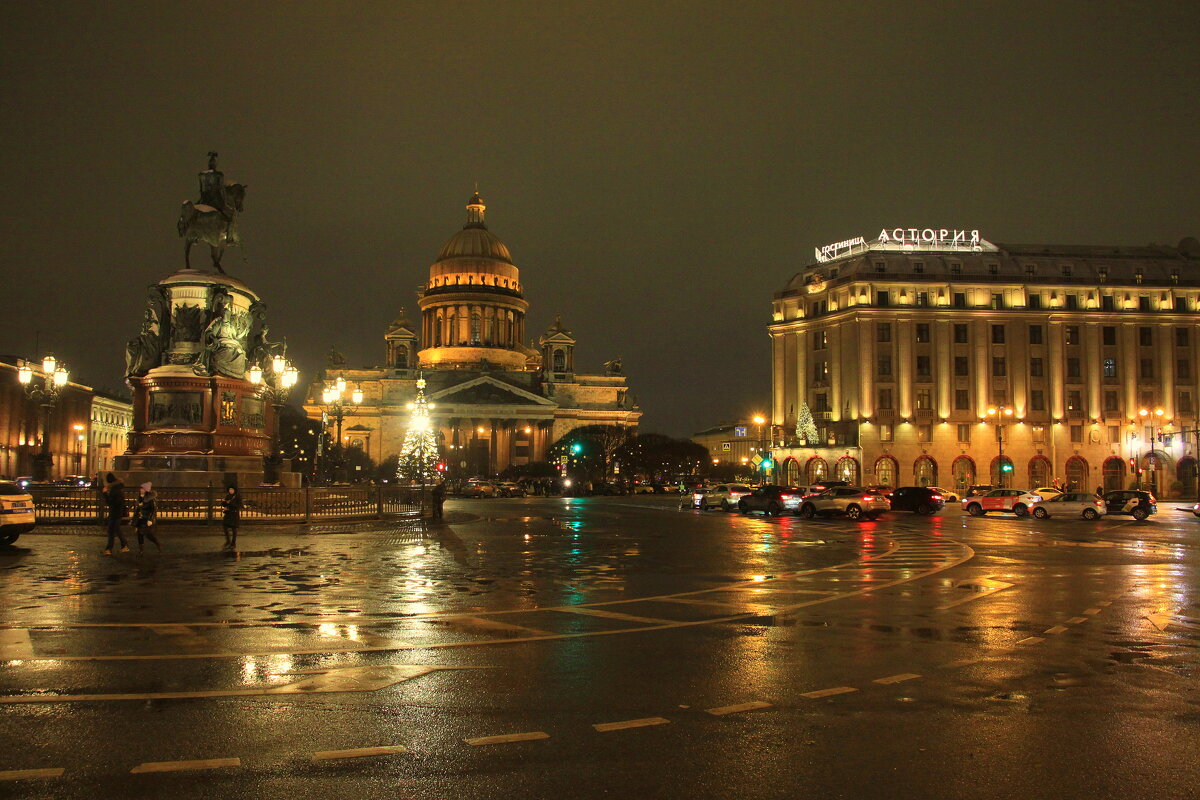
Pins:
x,y
1130,501
920,499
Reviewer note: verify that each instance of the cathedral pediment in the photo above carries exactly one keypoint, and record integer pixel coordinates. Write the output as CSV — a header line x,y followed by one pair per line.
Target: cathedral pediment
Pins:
x,y
485,391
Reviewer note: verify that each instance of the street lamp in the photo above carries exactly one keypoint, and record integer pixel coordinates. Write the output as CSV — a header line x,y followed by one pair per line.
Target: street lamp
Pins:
x,y
1149,415
274,385
335,402
1000,412
45,392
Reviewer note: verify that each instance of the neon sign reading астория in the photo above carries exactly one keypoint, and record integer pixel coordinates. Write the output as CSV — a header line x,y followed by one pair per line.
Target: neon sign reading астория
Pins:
x,y
929,237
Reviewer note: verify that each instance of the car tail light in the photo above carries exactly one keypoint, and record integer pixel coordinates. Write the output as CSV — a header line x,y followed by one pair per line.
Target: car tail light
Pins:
x,y
937,497
785,497
867,498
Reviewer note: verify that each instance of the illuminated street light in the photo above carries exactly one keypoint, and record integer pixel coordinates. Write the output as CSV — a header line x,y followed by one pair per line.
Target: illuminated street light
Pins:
x,y
999,413
45,393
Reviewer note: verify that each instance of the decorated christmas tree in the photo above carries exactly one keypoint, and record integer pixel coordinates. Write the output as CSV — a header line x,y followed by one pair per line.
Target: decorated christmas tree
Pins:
x,y
419,454
806,429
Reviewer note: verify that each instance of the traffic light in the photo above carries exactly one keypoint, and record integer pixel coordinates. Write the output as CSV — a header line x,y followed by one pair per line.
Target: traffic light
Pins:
x,y
1006,467
441,466
576,449
1132,462
767,464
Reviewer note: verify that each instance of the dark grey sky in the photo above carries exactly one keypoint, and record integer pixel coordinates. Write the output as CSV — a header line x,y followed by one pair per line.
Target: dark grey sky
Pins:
x,y
658,169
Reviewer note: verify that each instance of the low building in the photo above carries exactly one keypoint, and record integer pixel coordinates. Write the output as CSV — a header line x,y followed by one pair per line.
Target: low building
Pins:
x,y
108,433
23,422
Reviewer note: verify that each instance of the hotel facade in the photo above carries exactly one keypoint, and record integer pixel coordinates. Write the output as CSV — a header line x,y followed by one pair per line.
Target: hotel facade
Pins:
x,y
934,357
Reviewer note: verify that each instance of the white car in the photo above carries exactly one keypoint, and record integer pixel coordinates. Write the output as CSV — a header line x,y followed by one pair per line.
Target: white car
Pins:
x,y
1018,501
1071,504
16,512
949,495
725,496
1046,492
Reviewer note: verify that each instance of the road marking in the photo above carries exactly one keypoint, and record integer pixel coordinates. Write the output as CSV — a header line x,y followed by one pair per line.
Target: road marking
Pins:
x,y
1161,621
1055,629
15,644
721,711
358,752
1091,612
599,612
983,587
605,727
901,678
27,774
1077,620
177,766
492,624
507,738
829,692
1104,603
1031,640
368,639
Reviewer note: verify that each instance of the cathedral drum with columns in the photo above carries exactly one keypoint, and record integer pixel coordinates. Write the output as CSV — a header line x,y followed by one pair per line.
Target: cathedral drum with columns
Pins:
x,y
497,402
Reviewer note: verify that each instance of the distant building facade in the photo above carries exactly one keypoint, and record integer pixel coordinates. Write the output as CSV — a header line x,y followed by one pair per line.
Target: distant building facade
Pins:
x,y
108,433
917,351
21,427
734,443
496,401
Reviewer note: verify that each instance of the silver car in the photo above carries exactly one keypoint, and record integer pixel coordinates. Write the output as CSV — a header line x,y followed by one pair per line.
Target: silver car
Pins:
x,y
725,496
1071,504
853,501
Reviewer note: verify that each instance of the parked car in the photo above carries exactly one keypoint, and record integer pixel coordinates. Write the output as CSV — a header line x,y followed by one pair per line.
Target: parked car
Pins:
x,y
694,498
1018,501
1046,492
884,490
1071,504
475,488
772,500
1137,504
978,489
920,499
16,512
609,488
949,495
510,489
853,501
821,486
725,496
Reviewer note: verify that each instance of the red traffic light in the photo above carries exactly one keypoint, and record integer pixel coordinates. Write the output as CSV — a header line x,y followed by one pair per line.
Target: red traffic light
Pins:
x,y
441,467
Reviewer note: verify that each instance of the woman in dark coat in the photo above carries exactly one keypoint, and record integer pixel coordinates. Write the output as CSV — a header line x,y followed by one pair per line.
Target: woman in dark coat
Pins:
x,y
232,503
114,497
143,516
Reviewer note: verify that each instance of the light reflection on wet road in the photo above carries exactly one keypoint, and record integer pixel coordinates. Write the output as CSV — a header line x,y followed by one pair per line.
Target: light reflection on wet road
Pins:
x,y
570,614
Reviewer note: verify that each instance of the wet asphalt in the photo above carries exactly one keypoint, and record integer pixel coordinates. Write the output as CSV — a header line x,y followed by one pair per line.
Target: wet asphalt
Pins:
x,y
745,656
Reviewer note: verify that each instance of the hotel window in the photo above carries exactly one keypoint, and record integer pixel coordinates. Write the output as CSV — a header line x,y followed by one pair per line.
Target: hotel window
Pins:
x,y
1072,302
960,299
820,373
883,331
1185,402
1110,368
1181,304
1072,334
1146,337
924,433
1103,274
820,340
924,399
885,365
1146,370
955,268
1183,369
822,402
1074,401
918,266
885,399
964,433
1108,335
960,333
1114,434
993,269
1111,402
1107,303
997,300
880,266
1072,367
883,299
1035,367
962,400
1030,269
1035,334
1174,274
1181,337
999,367
922,332
997,334
962,366
1143,303
923,299
885,432
1039,434
1138,276
1076,433
1066,270
1034,301
1037,400
923,367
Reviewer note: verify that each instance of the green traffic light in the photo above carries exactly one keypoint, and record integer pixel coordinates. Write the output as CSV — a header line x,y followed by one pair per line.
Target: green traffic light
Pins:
x,y
577,448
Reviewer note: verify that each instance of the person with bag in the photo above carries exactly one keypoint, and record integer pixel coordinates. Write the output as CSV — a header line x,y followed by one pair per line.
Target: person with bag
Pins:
x,y
232,503
144,513
114,497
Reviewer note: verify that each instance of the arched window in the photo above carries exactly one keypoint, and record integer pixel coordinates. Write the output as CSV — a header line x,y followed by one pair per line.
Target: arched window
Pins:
x,y
925,471
963,471
401,357
886,470
1114,473
560,361
1077,474
791,472
1039,472
816,470
1002,471
846,469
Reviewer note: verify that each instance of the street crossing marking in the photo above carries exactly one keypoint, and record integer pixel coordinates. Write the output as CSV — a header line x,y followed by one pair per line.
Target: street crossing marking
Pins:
x,y
28,774
1031,640
178,766
1055,629
901,678
495,624
721,711
829,692
358,752
507,738
1077,620
983,588
15,644
599,612
605,727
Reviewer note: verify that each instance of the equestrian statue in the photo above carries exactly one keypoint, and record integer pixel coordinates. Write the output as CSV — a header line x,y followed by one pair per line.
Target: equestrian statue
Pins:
x,y
213,220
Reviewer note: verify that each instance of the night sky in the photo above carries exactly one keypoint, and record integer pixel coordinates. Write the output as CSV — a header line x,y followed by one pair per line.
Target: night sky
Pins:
x,y
658,169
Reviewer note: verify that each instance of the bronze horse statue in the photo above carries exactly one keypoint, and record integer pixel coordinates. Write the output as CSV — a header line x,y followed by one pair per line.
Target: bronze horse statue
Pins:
x,y
215,227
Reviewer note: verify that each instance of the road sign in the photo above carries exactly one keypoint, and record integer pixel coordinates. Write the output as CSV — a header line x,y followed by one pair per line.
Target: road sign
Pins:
x,y
756,460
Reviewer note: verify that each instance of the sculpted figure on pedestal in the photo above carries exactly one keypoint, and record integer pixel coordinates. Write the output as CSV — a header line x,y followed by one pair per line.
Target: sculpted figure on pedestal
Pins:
x,y
145,352
213,220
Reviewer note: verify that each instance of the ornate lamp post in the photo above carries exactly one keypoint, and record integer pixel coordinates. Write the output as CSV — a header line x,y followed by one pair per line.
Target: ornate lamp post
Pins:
x,y
1000,412
335,402
1154,418
44,392
275,384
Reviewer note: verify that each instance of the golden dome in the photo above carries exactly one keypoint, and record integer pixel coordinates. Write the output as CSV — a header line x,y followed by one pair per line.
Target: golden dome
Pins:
x,y
475,240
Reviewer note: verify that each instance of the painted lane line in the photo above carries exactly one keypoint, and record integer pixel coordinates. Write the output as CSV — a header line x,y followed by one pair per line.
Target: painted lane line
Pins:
x,y
27,774
1031,640
15,644
492,624
901,678
984,587
605,727
1077,620
1056,629
358,752
1091,612
721,711
1104,603
829,692
178,766
599,612
532,736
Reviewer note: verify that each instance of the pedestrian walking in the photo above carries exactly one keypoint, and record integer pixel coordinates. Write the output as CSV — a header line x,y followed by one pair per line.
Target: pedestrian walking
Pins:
x,y
144,513
438,496
232,503
114,497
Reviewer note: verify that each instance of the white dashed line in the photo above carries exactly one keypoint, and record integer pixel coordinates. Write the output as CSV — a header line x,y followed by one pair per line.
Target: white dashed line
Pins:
x,y
605,727
1104,603
27,774
358,752
1077,620
829,692
721,711
507,738
1056,629
1031,640
177,766
901,678
1091,612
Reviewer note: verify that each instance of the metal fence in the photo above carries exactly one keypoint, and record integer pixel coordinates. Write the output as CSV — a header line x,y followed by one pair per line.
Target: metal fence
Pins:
x,y
266,504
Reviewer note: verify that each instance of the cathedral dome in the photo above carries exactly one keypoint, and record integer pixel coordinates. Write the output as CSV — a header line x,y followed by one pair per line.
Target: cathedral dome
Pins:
x,y
474,259
475,240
